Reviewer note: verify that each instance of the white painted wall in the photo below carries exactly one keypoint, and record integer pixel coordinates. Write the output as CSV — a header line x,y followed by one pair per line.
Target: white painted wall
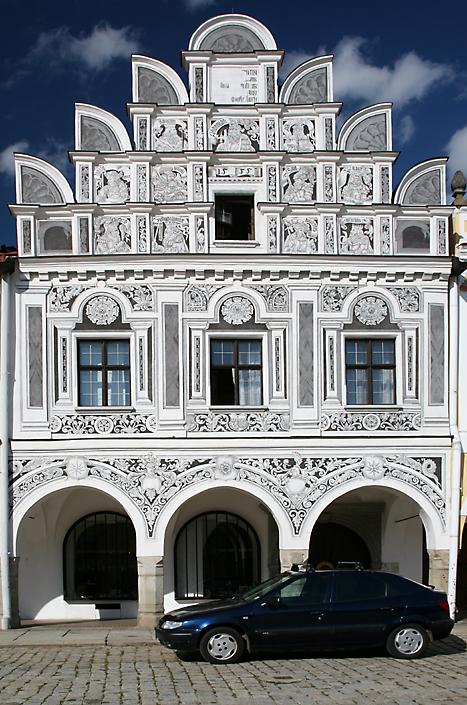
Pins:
x,y
40,543
401,547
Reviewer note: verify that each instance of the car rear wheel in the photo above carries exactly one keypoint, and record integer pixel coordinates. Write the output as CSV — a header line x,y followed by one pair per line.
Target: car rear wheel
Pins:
x,y
407,641
222,645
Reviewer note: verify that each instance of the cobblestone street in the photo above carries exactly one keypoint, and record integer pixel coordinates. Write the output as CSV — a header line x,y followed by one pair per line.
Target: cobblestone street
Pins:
x,y
147,674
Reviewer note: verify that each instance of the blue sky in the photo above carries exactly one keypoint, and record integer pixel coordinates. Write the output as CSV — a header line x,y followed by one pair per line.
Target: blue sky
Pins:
x,y
55,53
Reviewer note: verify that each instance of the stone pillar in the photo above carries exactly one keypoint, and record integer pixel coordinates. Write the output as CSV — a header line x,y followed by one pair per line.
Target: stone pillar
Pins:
x,y
289,556
150,590
439,568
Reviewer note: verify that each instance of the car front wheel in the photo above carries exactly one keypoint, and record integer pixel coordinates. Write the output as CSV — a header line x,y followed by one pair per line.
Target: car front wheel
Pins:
x,y
407,641
222,645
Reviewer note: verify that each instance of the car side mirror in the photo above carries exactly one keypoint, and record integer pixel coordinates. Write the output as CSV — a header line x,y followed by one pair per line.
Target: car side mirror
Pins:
x,y
272,601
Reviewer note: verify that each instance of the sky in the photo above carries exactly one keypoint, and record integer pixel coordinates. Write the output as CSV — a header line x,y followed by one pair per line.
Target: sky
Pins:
x,y
54,53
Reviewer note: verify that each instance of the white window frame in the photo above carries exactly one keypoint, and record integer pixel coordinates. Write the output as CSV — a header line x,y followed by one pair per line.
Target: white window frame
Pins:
x,y
107,335
236,188
237,335
399,368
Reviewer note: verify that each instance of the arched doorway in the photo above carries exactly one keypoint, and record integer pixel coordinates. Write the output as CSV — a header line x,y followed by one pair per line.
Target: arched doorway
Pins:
x,y
99,559
216,555
332,543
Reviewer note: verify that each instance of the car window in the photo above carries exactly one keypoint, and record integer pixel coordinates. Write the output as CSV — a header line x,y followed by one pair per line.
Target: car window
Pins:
x,y
358,587
259,590
306,589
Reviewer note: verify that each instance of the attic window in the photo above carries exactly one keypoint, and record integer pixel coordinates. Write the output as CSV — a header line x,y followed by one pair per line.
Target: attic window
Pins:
x,y
234,217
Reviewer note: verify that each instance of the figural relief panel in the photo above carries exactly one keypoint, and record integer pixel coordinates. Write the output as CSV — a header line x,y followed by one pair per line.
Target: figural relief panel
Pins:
x,y
356,236
169,135
299,183
299,135
356,184
112,184
112,235
234,135
300,235
170,234
169,184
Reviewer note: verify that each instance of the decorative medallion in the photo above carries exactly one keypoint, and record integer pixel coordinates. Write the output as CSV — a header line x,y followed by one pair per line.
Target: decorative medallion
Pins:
x,y
237,310
370,311
373,467
77,468
102,310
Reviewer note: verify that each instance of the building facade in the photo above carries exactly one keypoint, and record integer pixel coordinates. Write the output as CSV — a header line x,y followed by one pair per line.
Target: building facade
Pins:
x,y
234,342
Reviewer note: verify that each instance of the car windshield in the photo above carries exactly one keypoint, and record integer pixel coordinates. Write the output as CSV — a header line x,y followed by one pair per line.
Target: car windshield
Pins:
x,y
259,590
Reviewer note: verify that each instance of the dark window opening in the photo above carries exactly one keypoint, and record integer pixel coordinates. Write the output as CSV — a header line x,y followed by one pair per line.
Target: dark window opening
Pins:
x,y
216,555
99,559
234,217
104,372
236,375
370,371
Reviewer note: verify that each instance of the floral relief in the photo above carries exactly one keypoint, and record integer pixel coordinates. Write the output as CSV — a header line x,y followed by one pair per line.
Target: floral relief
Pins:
x,y
371,310
102,310
237,310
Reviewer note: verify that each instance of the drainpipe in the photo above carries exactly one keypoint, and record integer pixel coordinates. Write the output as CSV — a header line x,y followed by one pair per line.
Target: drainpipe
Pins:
x,y
456,442
7,266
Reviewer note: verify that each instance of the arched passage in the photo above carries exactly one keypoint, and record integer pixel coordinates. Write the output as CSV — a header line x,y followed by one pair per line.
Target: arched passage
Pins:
x,y
216,543
377,526
78,516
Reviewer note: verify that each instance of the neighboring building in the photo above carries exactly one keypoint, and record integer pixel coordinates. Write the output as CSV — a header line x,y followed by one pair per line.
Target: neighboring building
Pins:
x,y
459,229
234,342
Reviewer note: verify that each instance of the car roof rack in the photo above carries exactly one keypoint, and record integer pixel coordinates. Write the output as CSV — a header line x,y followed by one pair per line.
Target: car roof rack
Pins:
x,y
349,565
305,567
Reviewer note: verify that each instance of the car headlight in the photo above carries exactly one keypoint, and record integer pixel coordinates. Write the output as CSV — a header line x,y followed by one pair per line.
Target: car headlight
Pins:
x,y
170,624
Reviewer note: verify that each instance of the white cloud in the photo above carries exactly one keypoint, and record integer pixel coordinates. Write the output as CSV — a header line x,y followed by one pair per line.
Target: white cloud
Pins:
x,y
197,4
7,159
406,129
457,151
59,49
56,152
357,78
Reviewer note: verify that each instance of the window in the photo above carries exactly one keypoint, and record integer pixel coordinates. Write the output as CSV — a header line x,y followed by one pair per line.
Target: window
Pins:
x,y
234,217
217,554
370,371
308,589
99,559
236,377
413,236
359,587
104,372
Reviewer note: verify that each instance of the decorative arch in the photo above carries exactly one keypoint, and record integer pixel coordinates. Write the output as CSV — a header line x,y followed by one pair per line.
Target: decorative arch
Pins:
x,y
156,82
311,82
368,129
79,304
243,294
58,476
435,529
97,130
232,33
381,306
39,182
424,184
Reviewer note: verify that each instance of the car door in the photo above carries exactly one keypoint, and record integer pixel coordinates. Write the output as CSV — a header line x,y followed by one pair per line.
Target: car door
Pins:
x,y
293,617
360,609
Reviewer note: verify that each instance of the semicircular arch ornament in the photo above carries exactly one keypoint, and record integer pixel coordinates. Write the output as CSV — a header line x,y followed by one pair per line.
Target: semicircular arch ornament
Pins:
x,y
371,310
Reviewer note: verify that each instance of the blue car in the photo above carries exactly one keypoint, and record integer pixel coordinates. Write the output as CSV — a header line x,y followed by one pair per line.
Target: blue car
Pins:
x,y
302,611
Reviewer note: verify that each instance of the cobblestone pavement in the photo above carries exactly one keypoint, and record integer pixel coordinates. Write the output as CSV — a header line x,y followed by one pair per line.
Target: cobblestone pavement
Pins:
x,y
148,674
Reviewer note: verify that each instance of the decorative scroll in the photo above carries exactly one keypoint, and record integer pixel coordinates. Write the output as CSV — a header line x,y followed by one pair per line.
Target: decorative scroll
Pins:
x,y
271,138
197,296
142,181
241,422
385,236
199,85
200,229
83,232
385,193
270,85
407,296
333,297
199,133
329,142
272,233
103,425
272,182
329,195
329,235
140,296
26,234
393,421
276,297
198,182
84,183
297,483
143,134
142,233
442,248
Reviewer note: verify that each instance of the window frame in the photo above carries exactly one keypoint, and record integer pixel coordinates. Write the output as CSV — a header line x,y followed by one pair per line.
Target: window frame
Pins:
x,y
398,377
238,335
110,336
228,194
